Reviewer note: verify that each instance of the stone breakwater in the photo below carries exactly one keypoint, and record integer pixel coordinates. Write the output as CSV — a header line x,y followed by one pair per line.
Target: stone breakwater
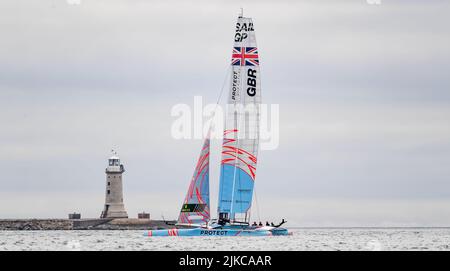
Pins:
x,y
35,224
81,224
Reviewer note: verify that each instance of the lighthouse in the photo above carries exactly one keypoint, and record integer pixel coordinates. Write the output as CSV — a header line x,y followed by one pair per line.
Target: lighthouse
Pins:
x,y
114,207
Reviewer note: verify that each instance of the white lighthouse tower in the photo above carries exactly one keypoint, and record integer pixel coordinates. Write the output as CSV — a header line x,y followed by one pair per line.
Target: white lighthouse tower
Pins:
x,y
114,207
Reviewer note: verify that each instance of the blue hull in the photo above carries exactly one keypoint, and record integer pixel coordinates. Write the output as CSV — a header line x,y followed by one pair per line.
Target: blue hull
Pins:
x,y
217,232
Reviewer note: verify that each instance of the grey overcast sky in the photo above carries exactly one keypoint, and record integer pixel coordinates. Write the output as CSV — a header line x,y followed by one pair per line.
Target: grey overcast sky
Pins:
x,y
364,95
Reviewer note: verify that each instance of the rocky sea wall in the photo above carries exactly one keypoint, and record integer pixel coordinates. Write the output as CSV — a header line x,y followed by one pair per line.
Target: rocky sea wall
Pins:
x,y
82,224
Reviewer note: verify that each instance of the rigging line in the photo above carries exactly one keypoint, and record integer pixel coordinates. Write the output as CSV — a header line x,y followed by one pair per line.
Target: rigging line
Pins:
x,y
257,205
220,96
221,91
223,85
218,99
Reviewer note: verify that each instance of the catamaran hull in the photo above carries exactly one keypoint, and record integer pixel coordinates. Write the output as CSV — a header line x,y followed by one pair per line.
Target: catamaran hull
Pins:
x,y
216,232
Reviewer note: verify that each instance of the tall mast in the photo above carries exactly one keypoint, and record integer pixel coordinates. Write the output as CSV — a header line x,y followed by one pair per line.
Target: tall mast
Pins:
x,y
241,133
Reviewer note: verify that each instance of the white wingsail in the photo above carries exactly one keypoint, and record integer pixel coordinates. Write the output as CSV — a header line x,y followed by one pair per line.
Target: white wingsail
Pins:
x,y
241,134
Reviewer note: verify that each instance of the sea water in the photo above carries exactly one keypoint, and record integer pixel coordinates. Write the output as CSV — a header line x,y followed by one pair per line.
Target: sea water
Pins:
x,y
302,239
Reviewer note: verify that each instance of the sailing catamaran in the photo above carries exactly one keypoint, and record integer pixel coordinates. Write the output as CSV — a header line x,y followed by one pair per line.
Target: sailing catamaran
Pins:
x,y
239,155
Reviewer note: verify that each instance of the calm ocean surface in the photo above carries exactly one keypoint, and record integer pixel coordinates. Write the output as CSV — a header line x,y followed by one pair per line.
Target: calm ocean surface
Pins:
x,y
302,239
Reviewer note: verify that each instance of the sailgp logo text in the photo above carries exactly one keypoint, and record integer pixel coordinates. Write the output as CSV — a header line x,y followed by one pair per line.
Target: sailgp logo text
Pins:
x,y
241,31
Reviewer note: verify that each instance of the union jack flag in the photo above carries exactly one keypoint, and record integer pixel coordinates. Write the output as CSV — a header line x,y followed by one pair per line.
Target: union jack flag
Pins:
x,y
245,56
